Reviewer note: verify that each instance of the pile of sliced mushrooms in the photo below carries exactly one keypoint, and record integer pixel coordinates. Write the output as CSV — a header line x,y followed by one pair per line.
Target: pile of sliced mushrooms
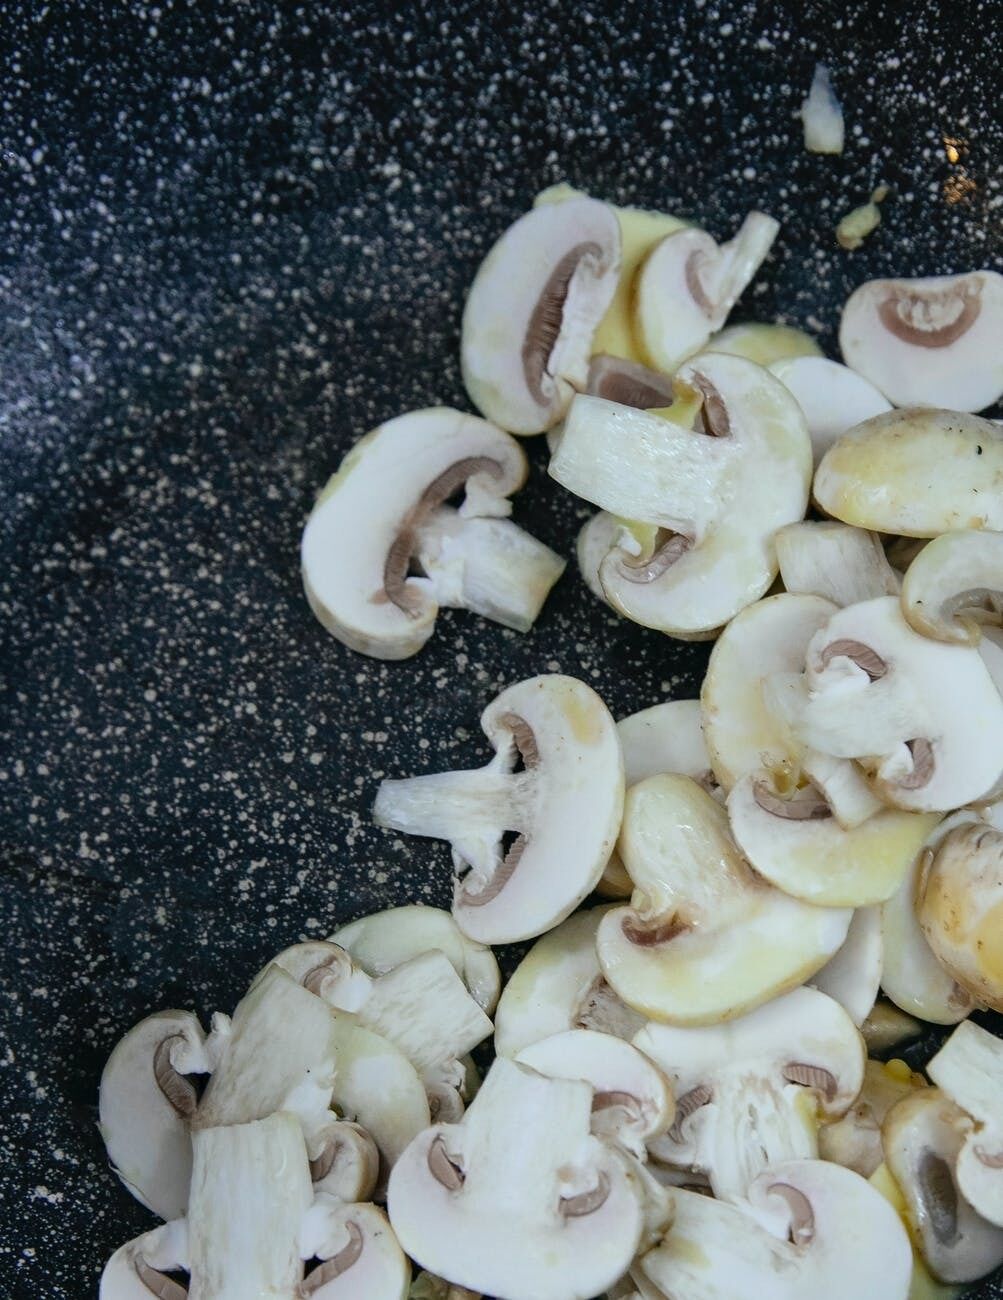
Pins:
x,y
681,1104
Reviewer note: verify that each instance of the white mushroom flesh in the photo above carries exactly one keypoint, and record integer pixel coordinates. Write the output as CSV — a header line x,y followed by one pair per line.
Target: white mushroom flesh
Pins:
x,y
853,975
357,1254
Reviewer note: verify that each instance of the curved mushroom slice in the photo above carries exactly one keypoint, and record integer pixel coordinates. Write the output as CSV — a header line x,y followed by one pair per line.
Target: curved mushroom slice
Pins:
x,y
717,1251
383,940
632,1100
140,1268
146,1104
374,510
532,311
565,829
705,938
915,473
519,1199
922,1135
853,975
558,986
876,691
832,397
764,344
928,342
854,1140
749,1092
886,1026
715,497
955,585
347,1166
924,1285
601,535
357,1253
688,284
843,564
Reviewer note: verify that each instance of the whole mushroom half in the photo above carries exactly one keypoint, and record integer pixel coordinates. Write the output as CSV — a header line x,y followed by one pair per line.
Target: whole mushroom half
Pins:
x,y
382,551
561,810
928,342
533,309
955,586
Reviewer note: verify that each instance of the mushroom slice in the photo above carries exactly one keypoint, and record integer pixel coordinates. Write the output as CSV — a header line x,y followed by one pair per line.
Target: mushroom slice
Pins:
x,y
357,1253
922,1136
688,284
386,939
599,536
632,1100
146,1105
564,830
928,342
876,691
532,311
915,473
705,938
955,585
558,986
714,498
347,1166
138,1270
833,397
382,503
764,344
843,564
629,384
743,1088
519,1199
854,1140
886,1026
853,975
822,115
717,1251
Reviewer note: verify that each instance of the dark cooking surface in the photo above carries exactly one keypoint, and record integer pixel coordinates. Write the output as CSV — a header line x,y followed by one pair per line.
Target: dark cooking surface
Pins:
x,y
231,245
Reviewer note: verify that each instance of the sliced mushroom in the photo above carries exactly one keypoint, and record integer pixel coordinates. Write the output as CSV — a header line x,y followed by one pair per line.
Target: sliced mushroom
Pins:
x,y
558,986
854,1140
764,344
842,564
565,829
357,1254
139,1270
381,512
928,342
887,1026
599,536
923,1286
833,398
853,975
749,1093
704,939
347,1166
532,311
955,585
714,498
915,473
629,384
807,1212
688,284
822,115
519,1199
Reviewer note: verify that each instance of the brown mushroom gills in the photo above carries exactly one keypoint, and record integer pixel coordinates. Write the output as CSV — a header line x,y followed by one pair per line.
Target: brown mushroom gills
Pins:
x,y
802,1228
812,1076
686,1105
576,1207
694,284
178,1090
544,326
932,318
807,804
442,1168
669,547
603,1010
649,934
628,383
923,765
157,1283
337,1264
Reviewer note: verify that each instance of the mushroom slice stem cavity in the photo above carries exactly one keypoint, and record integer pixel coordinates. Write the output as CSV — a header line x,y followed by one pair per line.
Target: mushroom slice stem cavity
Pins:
x,y
854,1140
844,565
833,398
955,586
519,1199
379,514
852,977
563,809
356,1251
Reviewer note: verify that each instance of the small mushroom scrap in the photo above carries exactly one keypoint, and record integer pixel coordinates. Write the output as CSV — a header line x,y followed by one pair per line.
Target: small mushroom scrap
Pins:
x,y
842,564
955,586
928,342
519,1199
832,397
764,344
382,551
561,810
533,309
854,1140
853,975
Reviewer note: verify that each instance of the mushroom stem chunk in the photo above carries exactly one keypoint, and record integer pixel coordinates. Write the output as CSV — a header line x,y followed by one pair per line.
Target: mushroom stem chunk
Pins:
x,y
955,586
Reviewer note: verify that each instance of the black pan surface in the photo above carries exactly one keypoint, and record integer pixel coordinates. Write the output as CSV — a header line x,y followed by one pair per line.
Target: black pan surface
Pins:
x,y
236,236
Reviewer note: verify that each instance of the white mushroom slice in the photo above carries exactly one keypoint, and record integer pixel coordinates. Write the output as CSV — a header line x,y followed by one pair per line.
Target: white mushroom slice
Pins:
x,y
764,344
955,585
563,809
831,1237
854,1141
688,284
532,311
146,1104
915,473
743,1088
887,1026
632,1100
926,715
928,342
386,939
991,650
357,1252
138,1270
519,1200
822,115
922,1136
833,398
843,564
704,939
347,1166
852,977
716,497
558,986
372,512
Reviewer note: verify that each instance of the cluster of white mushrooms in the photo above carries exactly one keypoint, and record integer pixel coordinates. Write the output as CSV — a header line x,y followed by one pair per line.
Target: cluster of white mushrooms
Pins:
x,y
681,1104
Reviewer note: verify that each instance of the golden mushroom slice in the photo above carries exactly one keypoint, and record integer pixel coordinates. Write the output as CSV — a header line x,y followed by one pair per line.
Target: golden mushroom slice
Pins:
x,y
853,976
955,586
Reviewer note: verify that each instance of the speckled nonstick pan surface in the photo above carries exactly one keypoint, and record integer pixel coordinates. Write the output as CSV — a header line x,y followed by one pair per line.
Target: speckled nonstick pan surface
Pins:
x,y
236,236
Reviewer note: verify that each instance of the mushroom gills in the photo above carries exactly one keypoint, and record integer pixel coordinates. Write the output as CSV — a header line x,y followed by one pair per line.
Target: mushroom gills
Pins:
x,y
954,587
357,1253
854,1140
139,1269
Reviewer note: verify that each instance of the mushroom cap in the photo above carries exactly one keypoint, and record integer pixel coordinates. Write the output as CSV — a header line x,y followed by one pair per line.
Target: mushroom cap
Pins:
x,y
358,1254
917,473
833,397
371,511
764,344
519,1200
928,342
853,975
705,938
955,585
145,1107
854,1140
532,310
836,561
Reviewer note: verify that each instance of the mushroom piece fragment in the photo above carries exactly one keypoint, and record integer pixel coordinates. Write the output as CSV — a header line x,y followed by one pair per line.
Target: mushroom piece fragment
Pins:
x,y
854,1140
886,1026
833,397
853,975
842,564
822,115
955,586
764,344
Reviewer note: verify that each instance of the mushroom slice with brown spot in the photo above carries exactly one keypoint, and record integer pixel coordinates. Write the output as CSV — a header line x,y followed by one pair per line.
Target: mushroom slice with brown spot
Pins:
x,y
618,380
843,564
854,1140
532,311
928,342
140,1269
561,832
955,586
383,515
357,1254
543,1208
969,1069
